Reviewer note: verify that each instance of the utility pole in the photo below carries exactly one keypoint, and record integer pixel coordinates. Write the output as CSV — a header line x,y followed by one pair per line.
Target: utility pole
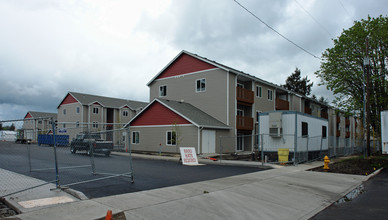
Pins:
x,y
367,104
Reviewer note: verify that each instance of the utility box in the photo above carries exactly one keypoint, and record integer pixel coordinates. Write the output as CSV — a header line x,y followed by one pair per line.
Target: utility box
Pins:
x,y
384,131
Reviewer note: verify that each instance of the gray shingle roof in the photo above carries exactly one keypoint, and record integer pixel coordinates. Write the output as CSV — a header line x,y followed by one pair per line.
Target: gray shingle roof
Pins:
x,y
86,99
195,115
43,114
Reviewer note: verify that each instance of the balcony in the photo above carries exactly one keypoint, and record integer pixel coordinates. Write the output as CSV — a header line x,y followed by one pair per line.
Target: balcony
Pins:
x,y
324,115
347,134
347,122
307,110
244,96
244,123
338,133
282,104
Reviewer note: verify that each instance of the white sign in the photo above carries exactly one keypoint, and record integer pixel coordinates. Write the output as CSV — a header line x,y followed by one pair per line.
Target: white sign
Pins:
x,y
188,155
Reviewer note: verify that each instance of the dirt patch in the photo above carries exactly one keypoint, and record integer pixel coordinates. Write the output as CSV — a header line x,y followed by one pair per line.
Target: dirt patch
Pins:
x,y
357,165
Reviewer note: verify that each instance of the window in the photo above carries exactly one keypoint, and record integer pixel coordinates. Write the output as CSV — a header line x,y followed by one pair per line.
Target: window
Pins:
x,y
64,111
324,132
171,138
77,110
40,122
162,91
201,85
135,137
95,124
77,124
95,110
125,113
305,129
258,91
270,94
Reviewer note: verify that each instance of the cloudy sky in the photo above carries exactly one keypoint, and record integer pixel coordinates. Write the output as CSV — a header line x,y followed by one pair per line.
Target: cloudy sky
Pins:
x,y
113,48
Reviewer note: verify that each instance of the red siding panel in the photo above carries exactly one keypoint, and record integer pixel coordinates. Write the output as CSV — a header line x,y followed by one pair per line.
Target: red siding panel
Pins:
x,y
157,114
28,115
69,99
185,64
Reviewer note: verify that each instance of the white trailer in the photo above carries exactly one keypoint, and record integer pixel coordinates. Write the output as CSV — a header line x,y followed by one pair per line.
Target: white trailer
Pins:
x,y
296,131
384,132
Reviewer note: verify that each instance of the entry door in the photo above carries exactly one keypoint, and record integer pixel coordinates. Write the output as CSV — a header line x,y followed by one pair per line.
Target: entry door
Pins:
x,y
240,142
208,141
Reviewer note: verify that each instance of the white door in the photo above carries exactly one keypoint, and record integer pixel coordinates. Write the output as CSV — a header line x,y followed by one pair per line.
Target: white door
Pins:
x,y
208,141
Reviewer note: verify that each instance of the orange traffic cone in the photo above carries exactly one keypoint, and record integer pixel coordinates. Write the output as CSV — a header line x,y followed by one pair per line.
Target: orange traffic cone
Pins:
x,y
108,215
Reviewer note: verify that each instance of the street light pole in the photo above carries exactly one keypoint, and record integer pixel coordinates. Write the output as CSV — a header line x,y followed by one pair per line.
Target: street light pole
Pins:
x,y
366,102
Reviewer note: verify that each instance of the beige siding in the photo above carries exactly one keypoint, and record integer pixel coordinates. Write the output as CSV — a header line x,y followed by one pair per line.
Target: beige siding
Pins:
x,y
263,104
212,101
155,138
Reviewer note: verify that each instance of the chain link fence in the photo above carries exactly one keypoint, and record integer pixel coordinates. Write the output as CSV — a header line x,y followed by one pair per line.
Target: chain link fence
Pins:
x,y
66,154
288,149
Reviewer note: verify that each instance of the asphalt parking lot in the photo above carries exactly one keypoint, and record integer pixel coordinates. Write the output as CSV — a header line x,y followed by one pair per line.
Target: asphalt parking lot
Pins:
x,y
148,174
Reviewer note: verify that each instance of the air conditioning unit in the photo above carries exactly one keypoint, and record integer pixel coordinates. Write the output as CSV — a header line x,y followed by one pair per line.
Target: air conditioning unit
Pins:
x,y
275,124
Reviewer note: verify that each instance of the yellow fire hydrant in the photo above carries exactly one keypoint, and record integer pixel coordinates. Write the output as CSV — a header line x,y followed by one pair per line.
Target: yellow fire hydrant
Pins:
x,y
326,162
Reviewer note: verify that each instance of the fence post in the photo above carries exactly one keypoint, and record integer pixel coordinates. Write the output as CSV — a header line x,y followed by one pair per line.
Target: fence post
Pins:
x,y
55,153
296,138
320,149
130,154
307,148
29,156
222,149
262,149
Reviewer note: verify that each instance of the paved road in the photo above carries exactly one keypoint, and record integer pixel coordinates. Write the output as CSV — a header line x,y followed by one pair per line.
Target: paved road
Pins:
x,y
148,174
372,204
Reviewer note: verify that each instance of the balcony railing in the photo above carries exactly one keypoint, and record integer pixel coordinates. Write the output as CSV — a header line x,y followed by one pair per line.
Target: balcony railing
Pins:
x,y
347,122
282,104
307,110
324,115
245,95
244,123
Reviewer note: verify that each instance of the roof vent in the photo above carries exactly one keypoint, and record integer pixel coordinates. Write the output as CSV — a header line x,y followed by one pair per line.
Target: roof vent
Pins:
x,y
181,101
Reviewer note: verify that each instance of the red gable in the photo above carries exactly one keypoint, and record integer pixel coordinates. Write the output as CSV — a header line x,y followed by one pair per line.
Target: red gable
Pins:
x,y
68,100
185,64
158,114
28,115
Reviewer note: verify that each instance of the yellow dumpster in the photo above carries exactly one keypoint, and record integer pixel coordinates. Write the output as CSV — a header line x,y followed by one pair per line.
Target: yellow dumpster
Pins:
x,y
283,154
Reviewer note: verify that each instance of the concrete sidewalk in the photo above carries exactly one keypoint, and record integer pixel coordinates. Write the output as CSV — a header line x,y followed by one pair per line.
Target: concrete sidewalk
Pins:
x,y
285,193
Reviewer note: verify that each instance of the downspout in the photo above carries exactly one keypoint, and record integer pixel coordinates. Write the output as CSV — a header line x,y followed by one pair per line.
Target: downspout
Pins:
x,y
296,138
199,139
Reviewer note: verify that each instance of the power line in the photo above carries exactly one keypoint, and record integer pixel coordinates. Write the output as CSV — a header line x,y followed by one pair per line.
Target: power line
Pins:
x,y
316,21
275,30
344,8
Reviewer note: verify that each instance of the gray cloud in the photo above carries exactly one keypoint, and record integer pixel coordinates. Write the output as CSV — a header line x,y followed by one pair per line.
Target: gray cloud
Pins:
x,y
50,47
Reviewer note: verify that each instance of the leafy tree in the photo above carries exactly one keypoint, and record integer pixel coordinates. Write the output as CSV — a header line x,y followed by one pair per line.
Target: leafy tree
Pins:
x,y
297,84
342,68
12,127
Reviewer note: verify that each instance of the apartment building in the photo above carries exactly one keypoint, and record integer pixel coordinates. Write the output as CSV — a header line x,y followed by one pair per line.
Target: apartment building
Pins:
x,y
79,112
36,123
227,95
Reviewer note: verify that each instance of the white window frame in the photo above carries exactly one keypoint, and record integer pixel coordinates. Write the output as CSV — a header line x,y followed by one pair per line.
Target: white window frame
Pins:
x,y
260,95
270,97
165,91
95,110
78,110
77,124
170,144
64,111
200,81
125,113
133,139
95,124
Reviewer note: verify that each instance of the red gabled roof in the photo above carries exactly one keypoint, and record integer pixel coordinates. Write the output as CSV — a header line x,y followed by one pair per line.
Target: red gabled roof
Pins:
x,y
157,114
28,115
68,100
182,64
